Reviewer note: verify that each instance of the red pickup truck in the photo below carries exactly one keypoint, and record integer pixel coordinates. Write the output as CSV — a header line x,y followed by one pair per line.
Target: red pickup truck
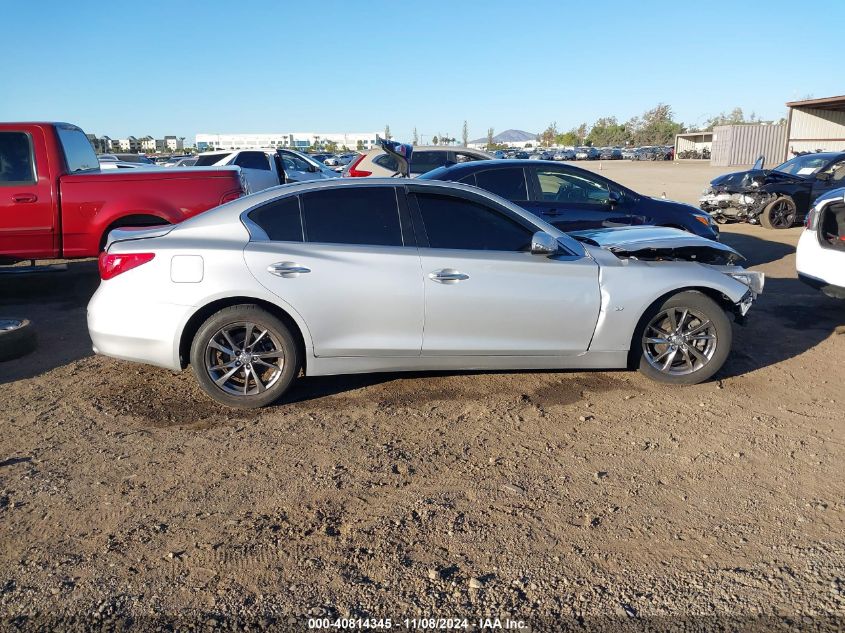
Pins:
x,y
56,203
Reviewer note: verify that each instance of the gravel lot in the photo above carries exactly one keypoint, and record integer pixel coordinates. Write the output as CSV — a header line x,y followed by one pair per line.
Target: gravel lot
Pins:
x,y
562,499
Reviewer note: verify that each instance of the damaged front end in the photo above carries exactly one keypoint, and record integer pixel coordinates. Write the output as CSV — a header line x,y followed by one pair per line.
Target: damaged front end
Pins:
x,y
726,206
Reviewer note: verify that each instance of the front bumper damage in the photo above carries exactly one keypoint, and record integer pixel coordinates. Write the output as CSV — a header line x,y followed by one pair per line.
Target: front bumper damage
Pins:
x,y
726,206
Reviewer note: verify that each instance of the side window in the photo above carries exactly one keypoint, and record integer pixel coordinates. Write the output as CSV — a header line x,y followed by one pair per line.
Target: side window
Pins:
x,y
837,171
292,162
253,160
508,183
421,162
562,186
280,219
464,157
352,215
389,162
463,224
469,180
16,161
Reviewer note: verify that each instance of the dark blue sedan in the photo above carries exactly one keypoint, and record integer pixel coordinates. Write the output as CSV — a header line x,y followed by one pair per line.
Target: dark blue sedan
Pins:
x,y
574,199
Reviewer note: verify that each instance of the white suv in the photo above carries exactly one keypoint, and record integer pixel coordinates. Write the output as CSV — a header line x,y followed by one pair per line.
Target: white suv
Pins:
x,y
820,258
379,164
265,168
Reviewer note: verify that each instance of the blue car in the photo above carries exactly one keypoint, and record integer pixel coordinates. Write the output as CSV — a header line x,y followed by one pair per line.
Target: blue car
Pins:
x,y
575,199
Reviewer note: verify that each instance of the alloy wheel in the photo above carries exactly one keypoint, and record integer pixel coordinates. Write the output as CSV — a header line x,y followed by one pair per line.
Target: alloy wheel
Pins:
x,y
244,359
679,341
782,214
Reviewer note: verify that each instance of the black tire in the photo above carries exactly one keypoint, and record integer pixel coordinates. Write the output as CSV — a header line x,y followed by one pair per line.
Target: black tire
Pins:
x,y
685,364
277,342
780,213
17,338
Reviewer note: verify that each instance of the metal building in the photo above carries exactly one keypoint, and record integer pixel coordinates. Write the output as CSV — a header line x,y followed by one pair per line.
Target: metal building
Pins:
x,y
742,144
692,142
815,124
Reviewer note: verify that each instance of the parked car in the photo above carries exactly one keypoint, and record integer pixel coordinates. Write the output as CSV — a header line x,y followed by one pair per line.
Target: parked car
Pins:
x,y
564,154
259,290
521,155
126,158
378,163
119,164
264,168
572,198
610,153
628,153
820,257
586,153
60,204
777,198
321,157
188,161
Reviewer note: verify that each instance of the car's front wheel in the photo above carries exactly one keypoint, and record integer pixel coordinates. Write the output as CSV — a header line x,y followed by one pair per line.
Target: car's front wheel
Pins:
x,y
244,357
780,213
684,340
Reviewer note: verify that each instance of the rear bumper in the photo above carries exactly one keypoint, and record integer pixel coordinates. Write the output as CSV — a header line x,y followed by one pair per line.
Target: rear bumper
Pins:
x,y
141,333
831,290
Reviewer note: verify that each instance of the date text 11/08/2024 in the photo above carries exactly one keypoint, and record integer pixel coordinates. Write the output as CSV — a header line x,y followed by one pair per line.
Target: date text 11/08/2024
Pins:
x,y
414,624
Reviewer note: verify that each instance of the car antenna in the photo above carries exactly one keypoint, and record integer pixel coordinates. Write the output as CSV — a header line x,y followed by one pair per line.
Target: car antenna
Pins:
x,y
401,152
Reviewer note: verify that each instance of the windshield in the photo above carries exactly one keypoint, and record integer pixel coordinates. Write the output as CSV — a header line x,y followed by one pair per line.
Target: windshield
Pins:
x,y
209,159
806,165
79,154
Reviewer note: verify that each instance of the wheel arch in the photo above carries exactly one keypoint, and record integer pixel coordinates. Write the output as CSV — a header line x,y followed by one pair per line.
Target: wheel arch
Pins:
x,y
193,324
140,218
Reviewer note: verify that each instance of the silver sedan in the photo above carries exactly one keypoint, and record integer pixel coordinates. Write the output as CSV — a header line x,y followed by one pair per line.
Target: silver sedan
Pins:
x,y
375,275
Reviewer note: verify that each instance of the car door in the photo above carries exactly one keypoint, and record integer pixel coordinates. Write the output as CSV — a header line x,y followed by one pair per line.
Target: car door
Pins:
x,y
27,210
260,173
486,294
338,258
297,169
572,199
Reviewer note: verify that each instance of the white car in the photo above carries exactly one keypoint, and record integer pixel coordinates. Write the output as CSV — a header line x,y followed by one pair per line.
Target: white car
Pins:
x,y
820,257
377,163
265,168
358,276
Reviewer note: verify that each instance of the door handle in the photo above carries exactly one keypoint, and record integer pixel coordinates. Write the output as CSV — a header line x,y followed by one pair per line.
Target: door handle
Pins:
x,y
287,269
447,276
24,197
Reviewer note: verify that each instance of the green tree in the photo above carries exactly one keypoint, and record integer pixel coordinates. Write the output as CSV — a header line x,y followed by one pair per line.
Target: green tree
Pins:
x,y
359,145
654,127
435,140
607,131
465,134
567,139
416,139
547,136
490,142
387,135
581,132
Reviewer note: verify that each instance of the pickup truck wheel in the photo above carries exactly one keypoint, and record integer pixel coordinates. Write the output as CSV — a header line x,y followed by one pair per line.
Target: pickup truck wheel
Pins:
x,y
17,338
684,340
244,357
780,213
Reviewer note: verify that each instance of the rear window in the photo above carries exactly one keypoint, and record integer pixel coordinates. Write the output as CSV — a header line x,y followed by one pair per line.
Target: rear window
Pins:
x,y
17,164
422,162
352,215
207,160
280,220
253,160
79,154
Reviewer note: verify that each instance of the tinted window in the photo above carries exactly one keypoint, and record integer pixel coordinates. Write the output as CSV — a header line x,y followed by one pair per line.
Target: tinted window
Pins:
x,y
280,219
253,160
469,180
464,157
352,215
292,162
422,162
389,162
562,186
79,154
463,224
508,183
16,162
210,159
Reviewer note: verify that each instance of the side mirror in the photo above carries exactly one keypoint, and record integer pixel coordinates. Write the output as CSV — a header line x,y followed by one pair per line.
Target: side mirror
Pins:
x,y
313,168
543,244
614,198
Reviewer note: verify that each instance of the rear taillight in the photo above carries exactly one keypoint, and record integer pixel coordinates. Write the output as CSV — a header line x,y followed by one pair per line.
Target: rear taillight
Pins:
x,y
111,265
810,222
232,195
358,173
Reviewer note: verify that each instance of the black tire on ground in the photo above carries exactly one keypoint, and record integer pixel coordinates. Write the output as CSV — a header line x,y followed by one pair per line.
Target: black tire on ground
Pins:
x,y
17,338
780,213
700,308
244,324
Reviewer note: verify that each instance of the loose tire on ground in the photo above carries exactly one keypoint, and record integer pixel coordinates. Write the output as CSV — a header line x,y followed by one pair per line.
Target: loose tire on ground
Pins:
x,y
780,213
650,356
244,357
17,338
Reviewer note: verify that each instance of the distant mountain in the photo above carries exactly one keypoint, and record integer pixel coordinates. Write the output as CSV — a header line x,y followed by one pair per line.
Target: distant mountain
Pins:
x,y
509,136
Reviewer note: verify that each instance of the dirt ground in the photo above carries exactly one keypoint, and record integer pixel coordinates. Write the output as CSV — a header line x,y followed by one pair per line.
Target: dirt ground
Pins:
x,y
559,499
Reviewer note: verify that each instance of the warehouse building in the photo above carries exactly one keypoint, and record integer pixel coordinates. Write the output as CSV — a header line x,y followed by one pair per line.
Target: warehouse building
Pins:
x,y
815,124
738,144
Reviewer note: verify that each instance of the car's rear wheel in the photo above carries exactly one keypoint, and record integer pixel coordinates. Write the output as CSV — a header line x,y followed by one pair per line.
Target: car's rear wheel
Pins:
x,y
684,340
17,338
779,213
244,357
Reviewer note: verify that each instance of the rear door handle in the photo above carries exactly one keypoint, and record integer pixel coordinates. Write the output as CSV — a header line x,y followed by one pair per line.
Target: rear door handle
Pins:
x,y
447,276
24,197
287,269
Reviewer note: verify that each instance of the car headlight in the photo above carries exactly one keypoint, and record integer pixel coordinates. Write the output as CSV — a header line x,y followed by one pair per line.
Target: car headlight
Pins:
x,y
751,278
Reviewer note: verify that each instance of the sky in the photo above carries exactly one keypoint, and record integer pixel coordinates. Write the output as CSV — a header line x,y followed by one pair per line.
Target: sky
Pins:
x,y
161,67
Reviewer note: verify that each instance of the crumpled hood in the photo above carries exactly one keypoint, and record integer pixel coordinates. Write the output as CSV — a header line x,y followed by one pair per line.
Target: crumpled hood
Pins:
x,y
658,243
740,181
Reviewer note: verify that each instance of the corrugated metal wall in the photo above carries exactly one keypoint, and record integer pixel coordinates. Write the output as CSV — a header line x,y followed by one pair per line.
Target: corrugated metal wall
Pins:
x,y
813,129
742,144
